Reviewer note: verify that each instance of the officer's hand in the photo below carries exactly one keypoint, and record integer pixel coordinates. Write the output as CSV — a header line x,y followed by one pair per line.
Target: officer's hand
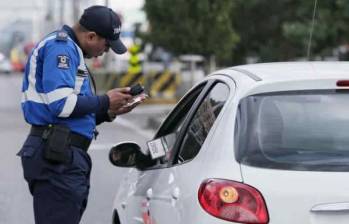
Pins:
x,y
118,98
124,109
131,104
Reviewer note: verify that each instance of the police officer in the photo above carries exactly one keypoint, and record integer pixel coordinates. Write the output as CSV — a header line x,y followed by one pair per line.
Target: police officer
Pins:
x,y
63,111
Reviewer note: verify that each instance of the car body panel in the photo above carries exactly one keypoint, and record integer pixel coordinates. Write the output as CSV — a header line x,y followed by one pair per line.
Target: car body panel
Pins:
x,y
170,195
295,193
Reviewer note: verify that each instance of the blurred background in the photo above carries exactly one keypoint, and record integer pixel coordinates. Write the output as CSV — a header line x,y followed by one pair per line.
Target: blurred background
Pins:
x,y
172,44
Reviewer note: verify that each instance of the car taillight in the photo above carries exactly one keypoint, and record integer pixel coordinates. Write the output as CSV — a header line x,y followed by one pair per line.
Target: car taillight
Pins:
x,y
342,83
233,201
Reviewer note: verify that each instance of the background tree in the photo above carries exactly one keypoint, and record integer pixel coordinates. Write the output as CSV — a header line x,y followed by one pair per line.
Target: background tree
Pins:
x,y
330,27
280,31
192,27
235,30
259,24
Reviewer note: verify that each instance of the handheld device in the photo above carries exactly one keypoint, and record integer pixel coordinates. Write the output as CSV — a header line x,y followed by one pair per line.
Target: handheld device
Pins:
x,y
136,89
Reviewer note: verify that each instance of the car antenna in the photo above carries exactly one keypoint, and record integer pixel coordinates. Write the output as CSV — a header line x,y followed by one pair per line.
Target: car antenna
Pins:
x,y
311,30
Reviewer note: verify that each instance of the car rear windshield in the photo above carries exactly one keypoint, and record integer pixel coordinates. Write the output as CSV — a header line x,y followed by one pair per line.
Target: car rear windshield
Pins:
x,y
298,130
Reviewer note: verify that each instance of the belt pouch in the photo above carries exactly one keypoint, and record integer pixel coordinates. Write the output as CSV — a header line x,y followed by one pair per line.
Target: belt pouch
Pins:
x,y
57,144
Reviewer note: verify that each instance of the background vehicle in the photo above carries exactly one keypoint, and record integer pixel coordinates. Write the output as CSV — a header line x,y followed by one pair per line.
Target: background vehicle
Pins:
x,y
262,143
5,65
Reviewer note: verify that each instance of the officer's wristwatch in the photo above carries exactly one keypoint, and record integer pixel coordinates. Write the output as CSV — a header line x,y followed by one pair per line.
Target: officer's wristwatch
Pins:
x,y
111,115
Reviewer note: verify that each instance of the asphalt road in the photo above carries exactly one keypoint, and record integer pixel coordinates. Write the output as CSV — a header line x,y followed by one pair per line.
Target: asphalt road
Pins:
x,y
15,199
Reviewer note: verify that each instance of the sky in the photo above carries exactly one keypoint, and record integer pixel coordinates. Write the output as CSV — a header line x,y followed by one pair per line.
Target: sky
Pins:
x,y
35,10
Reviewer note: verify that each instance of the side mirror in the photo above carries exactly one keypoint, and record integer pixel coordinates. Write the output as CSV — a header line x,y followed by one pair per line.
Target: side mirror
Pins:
x,y
125,154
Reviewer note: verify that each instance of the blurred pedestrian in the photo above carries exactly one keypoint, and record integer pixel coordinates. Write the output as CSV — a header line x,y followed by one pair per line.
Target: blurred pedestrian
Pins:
x,y
63,111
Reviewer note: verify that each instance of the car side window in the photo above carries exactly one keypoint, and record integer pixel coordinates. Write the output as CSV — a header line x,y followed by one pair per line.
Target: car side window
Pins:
x,y
202,121
170,129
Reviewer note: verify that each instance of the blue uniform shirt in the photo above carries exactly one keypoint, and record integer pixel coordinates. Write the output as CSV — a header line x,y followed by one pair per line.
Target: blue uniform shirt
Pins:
x,y
56,86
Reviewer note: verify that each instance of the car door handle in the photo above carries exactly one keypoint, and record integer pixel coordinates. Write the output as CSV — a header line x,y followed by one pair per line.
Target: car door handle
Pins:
x,y
149,193
331,207
175,193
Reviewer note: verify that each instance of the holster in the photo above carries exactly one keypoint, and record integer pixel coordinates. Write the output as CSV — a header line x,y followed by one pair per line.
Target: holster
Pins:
x,y
57,143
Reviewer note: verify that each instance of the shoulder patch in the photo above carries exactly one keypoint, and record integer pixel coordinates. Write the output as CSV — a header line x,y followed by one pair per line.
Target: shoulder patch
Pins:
x,y
62,35
63,61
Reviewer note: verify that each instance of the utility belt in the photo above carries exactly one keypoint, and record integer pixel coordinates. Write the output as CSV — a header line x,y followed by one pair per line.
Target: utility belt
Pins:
x,y
57,139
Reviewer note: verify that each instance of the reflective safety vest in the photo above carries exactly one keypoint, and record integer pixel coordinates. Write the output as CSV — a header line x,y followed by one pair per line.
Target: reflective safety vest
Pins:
x,y
55,75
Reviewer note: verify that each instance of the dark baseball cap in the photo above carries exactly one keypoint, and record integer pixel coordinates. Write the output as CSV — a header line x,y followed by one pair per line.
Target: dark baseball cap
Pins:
x,y
106,23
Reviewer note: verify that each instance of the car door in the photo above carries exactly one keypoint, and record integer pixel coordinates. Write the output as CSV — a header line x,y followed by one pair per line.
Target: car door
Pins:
x,y
149,186
173,193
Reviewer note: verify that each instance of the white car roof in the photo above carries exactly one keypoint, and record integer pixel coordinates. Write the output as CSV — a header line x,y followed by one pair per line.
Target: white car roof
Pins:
x,y
278,71
279,76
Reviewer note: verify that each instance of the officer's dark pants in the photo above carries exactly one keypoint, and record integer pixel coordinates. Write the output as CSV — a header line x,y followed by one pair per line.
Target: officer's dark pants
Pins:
x,y
59,191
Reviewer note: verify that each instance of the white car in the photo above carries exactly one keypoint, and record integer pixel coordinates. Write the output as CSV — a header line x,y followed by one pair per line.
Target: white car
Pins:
x,y
5,65
261,143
